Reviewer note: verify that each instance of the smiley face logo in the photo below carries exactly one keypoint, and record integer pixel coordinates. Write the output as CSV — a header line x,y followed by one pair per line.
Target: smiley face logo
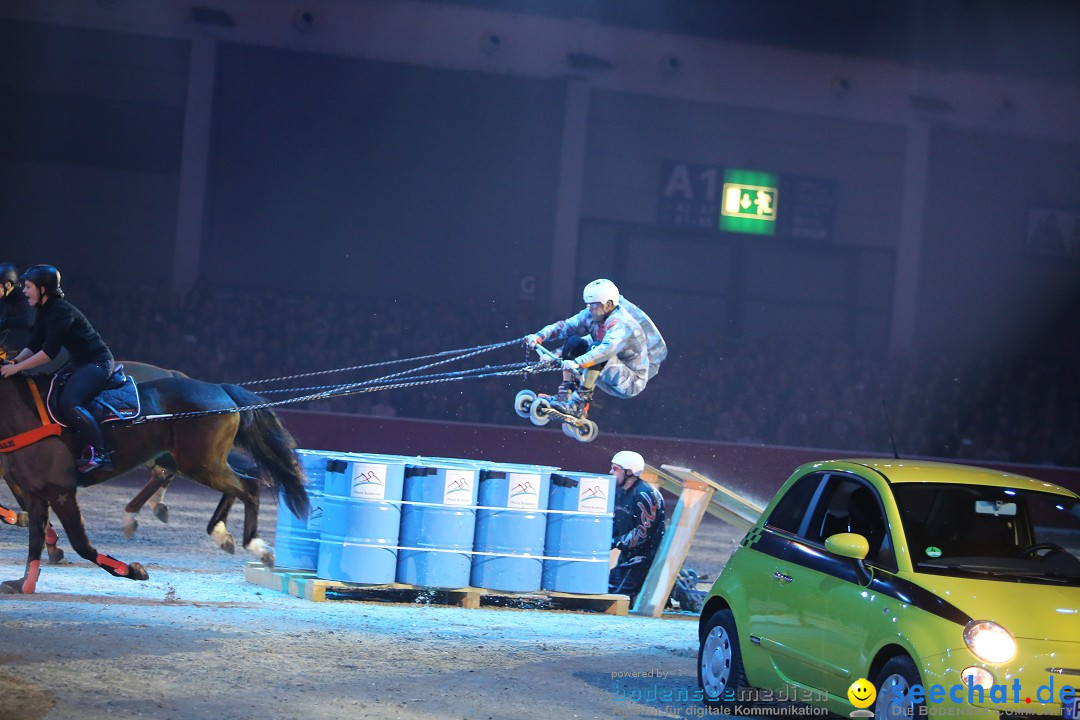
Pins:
x,y
861,693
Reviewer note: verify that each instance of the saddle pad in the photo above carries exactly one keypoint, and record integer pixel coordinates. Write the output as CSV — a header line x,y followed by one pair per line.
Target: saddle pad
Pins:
x,y
118,402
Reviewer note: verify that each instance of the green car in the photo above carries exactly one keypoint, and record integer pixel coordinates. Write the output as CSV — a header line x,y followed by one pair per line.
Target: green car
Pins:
x,y
951,589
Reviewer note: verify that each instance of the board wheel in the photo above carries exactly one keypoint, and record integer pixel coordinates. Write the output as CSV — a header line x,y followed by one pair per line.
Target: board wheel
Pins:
x,y
522,402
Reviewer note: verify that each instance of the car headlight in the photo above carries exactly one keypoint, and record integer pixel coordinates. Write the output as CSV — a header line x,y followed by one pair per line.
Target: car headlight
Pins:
x,y
989,641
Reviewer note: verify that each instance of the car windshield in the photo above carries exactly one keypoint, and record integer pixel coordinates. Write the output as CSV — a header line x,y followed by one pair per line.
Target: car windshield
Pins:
x,y
973,530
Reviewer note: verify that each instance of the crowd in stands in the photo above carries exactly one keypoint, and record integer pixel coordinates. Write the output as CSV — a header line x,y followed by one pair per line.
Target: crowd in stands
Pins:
x,y
994,407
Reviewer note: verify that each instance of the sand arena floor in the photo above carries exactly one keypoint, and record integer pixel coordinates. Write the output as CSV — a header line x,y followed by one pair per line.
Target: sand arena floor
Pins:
x,y
197,641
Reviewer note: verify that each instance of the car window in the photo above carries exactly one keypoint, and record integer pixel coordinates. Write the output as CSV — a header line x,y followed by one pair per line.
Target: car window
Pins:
x,y
820,505
790,513
964,529
851,505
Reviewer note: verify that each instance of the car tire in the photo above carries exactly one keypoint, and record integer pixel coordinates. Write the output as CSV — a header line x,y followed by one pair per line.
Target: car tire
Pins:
x,y
721,675
893,683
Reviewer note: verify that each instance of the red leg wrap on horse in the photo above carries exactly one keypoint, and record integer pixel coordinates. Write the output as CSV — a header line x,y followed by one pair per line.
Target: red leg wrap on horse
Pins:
x,y
50,536
30,582
108,561
9,517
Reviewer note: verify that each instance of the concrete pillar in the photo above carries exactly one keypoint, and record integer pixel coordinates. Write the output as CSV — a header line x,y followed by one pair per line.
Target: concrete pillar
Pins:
x,y
910,242
568,199
194,161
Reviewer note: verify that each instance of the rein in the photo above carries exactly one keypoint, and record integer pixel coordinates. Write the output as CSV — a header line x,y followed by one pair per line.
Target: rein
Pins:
x,y
361,387
46,429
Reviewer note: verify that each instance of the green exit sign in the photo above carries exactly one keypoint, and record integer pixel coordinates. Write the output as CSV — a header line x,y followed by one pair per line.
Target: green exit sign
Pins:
x,y
749,201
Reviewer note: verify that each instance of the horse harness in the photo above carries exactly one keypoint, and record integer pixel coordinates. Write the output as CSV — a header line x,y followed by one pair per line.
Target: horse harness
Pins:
x,y
46,429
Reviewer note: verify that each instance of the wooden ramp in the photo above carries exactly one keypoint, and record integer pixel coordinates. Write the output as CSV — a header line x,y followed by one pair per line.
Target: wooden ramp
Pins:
x,y
723,504
305,585
697,495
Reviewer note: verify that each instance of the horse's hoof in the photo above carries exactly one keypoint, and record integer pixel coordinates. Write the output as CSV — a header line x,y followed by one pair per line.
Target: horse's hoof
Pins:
x,y
161,512
56,554
11,587
137,572
130,525
223,538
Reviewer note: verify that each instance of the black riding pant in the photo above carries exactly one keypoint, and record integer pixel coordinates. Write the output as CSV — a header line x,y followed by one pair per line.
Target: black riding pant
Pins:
x,y
85,382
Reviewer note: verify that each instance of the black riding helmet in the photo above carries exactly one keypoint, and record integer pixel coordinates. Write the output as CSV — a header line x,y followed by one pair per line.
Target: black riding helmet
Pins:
x,y
9,273
46,277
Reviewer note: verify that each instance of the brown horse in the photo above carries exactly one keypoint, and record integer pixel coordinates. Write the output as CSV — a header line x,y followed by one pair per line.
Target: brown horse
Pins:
x,y
195,446
153,493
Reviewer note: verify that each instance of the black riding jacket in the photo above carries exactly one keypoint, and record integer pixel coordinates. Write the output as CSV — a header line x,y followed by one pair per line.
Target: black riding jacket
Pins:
x,y
61,324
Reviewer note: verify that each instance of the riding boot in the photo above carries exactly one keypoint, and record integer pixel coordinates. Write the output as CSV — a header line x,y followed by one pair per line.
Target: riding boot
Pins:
x,y
97,454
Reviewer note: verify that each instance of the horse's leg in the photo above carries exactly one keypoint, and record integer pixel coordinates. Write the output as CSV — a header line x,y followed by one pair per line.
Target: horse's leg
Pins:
x,y
202,450
252,542
23,520
250,498
66,508
216,527
235,486
157,502
56,554
14,517
38,510
160,477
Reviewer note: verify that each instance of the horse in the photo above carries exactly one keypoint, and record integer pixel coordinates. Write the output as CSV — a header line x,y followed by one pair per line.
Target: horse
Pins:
x,y
196,446
153,492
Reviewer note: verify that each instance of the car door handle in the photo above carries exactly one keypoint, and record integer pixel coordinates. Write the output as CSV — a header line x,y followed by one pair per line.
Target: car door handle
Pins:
x,y
781,576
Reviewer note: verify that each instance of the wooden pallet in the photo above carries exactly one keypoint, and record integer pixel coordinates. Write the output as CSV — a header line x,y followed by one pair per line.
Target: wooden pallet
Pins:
x,y
306,586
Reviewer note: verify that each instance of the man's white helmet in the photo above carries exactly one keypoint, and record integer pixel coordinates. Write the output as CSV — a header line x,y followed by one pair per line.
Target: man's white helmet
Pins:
x,y
600,291
629,460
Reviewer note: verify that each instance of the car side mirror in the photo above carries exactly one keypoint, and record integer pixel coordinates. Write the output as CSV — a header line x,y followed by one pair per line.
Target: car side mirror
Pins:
x,y
849,545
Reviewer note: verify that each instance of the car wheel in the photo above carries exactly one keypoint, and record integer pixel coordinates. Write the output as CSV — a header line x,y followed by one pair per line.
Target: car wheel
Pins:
x,y
893,683
720,668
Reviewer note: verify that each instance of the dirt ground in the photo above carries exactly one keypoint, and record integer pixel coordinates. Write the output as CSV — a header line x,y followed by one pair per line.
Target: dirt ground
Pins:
x,y
197,641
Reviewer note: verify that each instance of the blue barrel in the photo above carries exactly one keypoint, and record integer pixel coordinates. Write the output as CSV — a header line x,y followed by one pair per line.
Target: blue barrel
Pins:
x,y
297,539
510,526
438,521
578,542
361,518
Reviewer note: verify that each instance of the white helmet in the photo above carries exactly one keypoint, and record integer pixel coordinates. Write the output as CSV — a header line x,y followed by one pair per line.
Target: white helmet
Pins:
x,y
600,291
629,460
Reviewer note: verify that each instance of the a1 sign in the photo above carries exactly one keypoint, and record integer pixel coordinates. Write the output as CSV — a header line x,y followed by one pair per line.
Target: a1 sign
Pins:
x,y
689,195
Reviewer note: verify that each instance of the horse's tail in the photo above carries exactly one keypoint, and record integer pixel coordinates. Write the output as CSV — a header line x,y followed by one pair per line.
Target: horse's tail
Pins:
x,y
263,435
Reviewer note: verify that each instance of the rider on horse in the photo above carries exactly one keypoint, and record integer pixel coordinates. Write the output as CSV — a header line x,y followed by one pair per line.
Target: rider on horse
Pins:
x,y
16,317
58,325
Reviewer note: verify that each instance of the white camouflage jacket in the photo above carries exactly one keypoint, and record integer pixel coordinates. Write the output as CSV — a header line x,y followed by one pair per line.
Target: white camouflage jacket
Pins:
x,y
626,340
